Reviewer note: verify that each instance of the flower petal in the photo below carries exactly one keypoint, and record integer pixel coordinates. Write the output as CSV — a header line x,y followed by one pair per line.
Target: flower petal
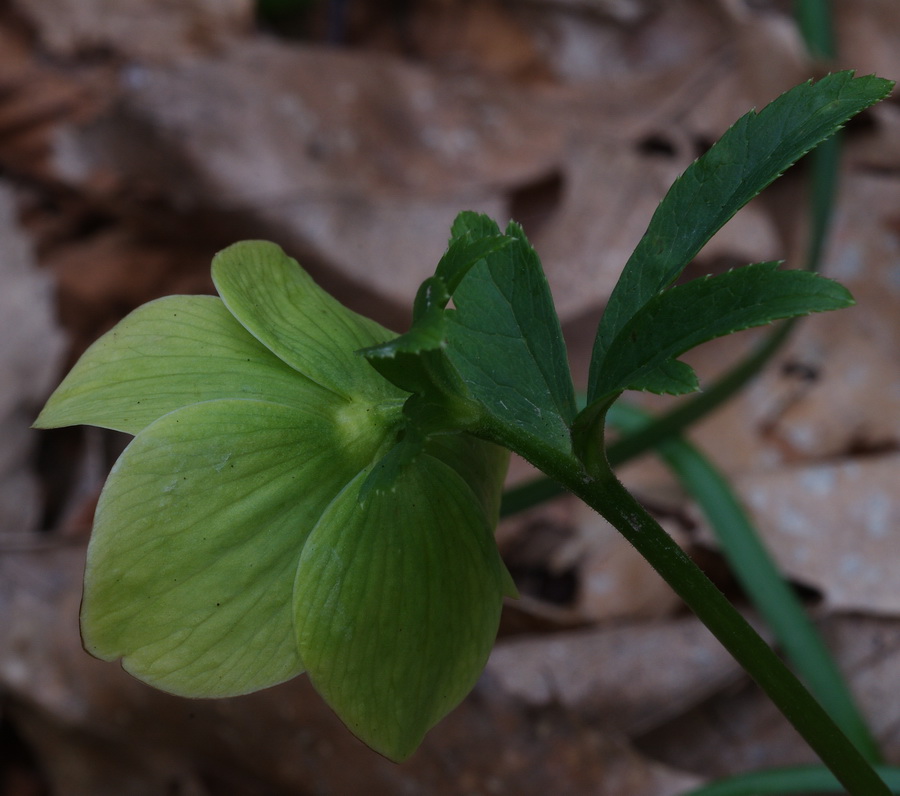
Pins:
x,y
280,305
397,604
168,354
198,532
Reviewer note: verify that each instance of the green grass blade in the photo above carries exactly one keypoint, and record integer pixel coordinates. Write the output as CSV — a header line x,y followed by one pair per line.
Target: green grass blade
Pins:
x,y
784,781
814,20
607,495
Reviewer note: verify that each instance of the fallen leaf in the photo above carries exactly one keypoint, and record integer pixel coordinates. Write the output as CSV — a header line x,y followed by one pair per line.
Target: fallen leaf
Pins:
x,y
741,730
832,527
627,678
136,28
364,171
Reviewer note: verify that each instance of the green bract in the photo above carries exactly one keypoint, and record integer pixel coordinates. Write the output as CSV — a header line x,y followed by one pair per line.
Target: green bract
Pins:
x,y
232,549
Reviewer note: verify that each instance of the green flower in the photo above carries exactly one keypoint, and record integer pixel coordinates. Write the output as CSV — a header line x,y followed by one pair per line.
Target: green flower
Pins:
x,y
232,547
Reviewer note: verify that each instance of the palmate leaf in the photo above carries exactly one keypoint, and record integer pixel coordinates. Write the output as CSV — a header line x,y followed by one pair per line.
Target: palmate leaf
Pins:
x,y
642,356
749,156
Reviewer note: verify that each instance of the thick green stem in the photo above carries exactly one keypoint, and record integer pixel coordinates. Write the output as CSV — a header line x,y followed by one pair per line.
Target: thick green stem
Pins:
x,y
758,574
602,491
617,505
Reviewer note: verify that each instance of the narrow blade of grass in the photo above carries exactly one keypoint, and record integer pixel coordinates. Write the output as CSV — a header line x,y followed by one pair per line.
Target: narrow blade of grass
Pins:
x,y
784,781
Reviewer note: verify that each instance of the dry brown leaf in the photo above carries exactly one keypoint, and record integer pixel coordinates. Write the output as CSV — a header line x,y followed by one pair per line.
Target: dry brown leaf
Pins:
x,y
35,97
627,678
364,168
484,37
156,29
834,527
741,730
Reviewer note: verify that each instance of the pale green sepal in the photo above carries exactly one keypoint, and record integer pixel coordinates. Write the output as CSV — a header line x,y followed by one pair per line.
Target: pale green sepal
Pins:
x,y
280,305
197,536
482,466
397,604
168,354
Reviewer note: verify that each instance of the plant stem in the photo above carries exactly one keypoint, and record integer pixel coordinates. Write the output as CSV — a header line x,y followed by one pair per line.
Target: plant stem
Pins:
x,y
616,504
603,492
758,574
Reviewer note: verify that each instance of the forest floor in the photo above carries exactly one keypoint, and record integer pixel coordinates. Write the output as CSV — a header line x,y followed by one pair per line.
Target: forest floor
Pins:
x,y
138,138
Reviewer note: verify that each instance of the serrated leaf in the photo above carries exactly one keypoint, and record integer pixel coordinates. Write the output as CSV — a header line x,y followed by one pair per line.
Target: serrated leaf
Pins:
x,y
409,361
505,341
473,238
168,354
469,224
191,565
749,156
281,306
397,604
642,357
500,349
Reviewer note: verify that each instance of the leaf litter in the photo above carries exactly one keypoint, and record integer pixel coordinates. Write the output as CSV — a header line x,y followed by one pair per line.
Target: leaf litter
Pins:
x,y
128,159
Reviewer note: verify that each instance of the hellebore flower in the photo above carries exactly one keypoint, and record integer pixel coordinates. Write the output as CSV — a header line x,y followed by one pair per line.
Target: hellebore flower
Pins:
x,y
232,548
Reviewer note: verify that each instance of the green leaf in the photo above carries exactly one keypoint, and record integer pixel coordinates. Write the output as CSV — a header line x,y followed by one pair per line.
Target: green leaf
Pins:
x,y
413,361
749,156
642,357
473,237
499,355
810,780
397,604
505,342
281,306
165,355
191,565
